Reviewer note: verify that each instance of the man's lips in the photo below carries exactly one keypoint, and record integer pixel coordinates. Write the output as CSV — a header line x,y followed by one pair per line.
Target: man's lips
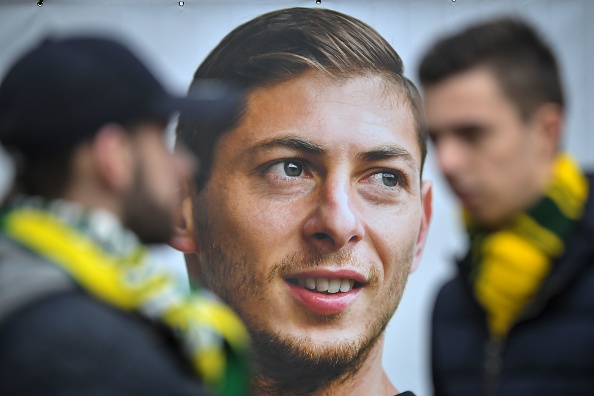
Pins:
x,y
325,292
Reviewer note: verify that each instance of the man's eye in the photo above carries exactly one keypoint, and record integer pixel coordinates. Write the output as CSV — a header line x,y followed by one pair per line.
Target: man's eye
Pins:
x,y
387,179
287,168
293,169
472,133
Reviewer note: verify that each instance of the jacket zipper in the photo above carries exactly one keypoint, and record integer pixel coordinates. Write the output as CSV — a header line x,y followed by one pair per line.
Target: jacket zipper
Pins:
x,y
493,361
492,366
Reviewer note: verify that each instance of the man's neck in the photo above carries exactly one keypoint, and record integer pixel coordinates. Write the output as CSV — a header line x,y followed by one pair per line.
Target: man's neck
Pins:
x,y
369,379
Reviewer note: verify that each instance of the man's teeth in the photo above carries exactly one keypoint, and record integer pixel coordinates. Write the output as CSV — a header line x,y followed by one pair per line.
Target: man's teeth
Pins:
x,y
326,285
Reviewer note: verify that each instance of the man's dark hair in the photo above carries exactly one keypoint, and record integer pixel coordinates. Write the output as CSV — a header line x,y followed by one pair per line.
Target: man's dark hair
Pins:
x,y
281,45
520,59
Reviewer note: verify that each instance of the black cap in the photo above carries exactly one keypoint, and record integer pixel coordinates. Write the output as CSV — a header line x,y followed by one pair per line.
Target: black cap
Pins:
x,y
62,91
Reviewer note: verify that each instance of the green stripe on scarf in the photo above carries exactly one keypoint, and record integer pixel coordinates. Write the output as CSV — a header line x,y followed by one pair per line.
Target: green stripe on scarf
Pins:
x,y
549,216
508,265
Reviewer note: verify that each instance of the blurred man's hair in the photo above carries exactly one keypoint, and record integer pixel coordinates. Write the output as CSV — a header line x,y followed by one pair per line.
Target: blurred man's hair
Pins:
x,y
282,45
512,50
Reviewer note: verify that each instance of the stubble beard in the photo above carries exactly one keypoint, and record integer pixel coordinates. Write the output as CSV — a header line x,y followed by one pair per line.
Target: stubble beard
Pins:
x,y
288,364
142,214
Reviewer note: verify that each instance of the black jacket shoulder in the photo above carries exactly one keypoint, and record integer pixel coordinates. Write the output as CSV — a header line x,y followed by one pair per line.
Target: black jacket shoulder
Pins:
x,y
72,344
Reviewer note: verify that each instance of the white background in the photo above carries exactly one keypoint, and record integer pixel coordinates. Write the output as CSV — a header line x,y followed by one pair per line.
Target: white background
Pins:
x,y
174,40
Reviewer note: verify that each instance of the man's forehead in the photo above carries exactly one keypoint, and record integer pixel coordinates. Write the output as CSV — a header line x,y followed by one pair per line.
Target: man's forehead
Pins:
x,y
316,87
313,103
381,83
470,86
468,95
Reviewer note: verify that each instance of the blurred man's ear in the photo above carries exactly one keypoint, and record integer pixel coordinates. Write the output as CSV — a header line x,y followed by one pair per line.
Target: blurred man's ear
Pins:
x,y
184,234
113,157
427,207
548,119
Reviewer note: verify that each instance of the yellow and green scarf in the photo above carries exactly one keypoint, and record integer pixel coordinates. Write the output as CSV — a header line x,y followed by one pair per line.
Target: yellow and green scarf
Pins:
x,y
109,263
508,265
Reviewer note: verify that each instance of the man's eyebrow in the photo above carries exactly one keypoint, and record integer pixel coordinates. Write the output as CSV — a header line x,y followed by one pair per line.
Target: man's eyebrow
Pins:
x,y
466,127
290,142
386,153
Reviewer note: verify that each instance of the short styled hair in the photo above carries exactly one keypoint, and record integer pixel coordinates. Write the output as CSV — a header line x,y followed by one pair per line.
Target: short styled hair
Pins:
x,y
281,45
521,60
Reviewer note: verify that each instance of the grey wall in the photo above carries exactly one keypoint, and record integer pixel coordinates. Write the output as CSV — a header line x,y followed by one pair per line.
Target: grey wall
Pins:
x,y
175,39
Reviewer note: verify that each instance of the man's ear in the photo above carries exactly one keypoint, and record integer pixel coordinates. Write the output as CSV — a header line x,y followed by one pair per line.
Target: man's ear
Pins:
x,y
114,158
427,207
185,230
549,122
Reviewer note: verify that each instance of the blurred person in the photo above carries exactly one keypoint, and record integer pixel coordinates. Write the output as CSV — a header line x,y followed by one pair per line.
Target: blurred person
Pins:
x,y
311,212
518,317
83,311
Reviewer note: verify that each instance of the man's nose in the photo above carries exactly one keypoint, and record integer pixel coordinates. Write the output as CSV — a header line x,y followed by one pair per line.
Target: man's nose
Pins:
x,y
335,222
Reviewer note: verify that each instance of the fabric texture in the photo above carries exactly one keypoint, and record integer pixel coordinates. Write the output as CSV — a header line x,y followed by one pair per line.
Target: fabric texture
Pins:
x,y
548,348
108,263
89,348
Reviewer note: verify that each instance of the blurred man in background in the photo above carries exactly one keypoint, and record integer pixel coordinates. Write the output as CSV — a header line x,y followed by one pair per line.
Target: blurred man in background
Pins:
x,y
311,213
518,318
83,311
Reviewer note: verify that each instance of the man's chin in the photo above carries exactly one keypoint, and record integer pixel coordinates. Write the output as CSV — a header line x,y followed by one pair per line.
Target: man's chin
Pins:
x,y
319,362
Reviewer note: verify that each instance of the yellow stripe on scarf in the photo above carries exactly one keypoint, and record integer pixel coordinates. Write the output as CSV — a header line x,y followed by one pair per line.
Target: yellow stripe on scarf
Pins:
x,y
543,239
567,189
42,232
511,271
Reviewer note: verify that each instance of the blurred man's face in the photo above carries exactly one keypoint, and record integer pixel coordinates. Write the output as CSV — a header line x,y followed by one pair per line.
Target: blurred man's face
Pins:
x,y
151,203
492,159
313,216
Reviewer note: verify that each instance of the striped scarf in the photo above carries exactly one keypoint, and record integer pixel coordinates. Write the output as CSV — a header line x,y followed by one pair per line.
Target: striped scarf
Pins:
x,y
108,262
507,266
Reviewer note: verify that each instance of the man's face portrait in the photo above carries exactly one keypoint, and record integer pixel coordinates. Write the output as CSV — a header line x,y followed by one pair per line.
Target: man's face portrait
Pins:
x,y
487,151
314,214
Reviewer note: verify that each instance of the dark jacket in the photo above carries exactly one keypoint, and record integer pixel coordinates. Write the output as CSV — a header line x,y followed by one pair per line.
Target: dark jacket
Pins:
x,y
549,350
55,339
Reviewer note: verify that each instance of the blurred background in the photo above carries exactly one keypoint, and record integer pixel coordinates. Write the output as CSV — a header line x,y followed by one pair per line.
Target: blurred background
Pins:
x,y
174,37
